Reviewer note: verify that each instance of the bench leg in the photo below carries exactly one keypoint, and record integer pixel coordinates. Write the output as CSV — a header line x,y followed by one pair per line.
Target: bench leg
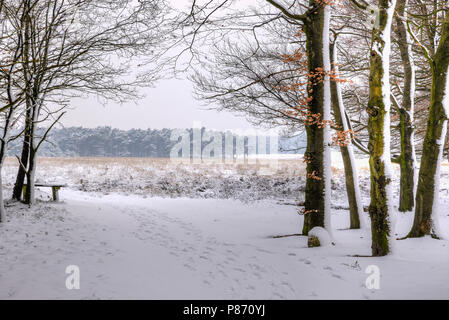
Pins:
x,y
55,193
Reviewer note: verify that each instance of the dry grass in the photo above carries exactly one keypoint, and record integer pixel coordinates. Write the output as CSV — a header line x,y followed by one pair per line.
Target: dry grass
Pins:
x,y
285,167
163,177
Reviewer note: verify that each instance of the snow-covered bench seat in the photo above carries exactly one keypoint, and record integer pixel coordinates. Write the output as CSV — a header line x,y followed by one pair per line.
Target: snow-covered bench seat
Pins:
x,y
54,188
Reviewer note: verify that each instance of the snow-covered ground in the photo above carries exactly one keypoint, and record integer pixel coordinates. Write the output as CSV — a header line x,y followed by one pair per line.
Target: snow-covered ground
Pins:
x,y
132,245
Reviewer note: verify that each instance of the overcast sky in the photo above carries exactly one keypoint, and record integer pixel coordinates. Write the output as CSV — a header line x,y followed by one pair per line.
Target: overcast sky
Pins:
x,y
169,105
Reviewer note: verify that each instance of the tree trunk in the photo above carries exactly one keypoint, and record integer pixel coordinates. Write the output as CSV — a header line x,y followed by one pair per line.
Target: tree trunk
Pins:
x,y
30,190
318,181
20,180
379,131
407,159
426,211
31,170
346,150
407,162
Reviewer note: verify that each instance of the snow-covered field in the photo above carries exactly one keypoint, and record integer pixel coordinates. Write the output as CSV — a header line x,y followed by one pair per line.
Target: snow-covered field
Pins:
x,y
138,228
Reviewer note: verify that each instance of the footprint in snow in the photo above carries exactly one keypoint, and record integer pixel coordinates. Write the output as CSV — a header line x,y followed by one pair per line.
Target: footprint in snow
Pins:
x,y
188,266
305,261
337,276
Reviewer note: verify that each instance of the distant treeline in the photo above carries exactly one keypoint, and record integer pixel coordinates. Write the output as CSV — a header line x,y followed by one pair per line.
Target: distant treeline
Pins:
x,y
111,142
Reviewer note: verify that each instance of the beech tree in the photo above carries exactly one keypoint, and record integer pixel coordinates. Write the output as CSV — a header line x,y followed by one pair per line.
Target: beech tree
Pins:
x,y
317,198
407,158
436,50
378,110
346,145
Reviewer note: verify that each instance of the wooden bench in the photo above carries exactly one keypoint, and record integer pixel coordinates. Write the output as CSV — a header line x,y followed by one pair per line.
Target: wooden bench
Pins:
x,y
54,188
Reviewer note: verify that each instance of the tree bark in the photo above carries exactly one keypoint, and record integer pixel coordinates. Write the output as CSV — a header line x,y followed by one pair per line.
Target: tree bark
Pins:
x,y
379,131
31,170
20,179
315,183
407,159
425,221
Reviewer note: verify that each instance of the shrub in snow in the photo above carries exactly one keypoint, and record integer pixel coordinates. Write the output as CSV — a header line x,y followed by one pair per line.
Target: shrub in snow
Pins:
x,y
318,236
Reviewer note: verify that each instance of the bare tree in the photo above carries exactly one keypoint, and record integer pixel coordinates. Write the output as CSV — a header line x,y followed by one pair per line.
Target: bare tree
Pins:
x,y
80,47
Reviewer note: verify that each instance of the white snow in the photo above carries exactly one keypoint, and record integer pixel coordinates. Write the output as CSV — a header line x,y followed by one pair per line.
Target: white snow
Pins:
x,y
137,246
322,235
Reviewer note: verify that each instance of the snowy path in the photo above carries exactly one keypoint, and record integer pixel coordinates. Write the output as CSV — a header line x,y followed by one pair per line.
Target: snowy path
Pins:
x,y
154,248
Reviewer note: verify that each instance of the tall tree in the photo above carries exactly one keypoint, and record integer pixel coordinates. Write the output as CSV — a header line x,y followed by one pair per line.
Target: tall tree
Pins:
x,y
318,191
426,211
407,158
378,110
346,146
